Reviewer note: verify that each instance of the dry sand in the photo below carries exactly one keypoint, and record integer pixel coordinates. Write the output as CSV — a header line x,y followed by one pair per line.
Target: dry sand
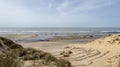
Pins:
x,y
103,52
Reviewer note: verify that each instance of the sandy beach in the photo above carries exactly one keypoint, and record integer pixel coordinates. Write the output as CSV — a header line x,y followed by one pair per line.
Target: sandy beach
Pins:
x,y
94,52
102,52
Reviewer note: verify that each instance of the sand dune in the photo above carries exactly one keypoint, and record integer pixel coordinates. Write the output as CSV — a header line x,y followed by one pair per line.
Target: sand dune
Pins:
x,y
103,52
14,55
110,40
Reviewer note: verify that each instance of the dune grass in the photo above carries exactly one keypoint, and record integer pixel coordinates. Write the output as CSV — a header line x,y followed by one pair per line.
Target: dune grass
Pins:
x,y
13,55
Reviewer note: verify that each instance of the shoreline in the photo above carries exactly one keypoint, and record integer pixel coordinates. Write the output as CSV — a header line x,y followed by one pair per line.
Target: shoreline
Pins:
x,y
95,52
52,37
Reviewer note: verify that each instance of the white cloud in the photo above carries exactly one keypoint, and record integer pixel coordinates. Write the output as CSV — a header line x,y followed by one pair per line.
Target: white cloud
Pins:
x,y
62,7
93,4
50,5
65,7
45,12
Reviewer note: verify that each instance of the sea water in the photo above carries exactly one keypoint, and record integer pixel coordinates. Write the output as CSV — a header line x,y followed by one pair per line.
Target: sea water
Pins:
x,y
44,33
59,30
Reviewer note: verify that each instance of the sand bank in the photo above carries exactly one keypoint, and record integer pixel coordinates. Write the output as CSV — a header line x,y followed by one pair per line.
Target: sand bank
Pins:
x,y
103,52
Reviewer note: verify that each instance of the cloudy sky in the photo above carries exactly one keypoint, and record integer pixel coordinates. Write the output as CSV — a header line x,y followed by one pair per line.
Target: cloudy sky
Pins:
x,y
59,13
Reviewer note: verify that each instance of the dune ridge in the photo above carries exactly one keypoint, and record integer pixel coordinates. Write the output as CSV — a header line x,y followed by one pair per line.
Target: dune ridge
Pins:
x,y
14,55
109,40
103,52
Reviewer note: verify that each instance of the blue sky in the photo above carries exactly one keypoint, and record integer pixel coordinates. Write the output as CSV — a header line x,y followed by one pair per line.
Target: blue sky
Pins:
x,y
59,13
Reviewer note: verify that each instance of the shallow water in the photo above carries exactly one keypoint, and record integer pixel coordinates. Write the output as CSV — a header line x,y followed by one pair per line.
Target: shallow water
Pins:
x,y
46,33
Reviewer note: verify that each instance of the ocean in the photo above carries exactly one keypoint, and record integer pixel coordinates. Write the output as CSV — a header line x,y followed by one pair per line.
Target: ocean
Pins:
x,y
45,33
59,30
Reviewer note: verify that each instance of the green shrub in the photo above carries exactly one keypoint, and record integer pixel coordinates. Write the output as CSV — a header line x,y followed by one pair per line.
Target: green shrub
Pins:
x,y
9,60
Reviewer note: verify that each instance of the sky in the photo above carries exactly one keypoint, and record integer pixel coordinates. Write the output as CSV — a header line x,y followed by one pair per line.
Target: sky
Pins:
x,y
59,13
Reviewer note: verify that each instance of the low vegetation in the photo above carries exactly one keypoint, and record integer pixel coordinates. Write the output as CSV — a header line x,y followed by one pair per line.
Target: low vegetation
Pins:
x,y
14,55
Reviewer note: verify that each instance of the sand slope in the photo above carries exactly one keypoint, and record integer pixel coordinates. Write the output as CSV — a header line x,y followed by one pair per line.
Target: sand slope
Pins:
x,y
103,52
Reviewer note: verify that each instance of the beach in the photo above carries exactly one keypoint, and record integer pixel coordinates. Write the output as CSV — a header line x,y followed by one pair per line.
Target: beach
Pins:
x,y
89,54
59,33
92,54
89,50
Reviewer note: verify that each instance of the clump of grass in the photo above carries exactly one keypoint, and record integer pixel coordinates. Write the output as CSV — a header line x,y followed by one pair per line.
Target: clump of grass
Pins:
x,y
49,58
32,54
16,46
63,63
6,41
11,54
9,60
9,44
66,54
